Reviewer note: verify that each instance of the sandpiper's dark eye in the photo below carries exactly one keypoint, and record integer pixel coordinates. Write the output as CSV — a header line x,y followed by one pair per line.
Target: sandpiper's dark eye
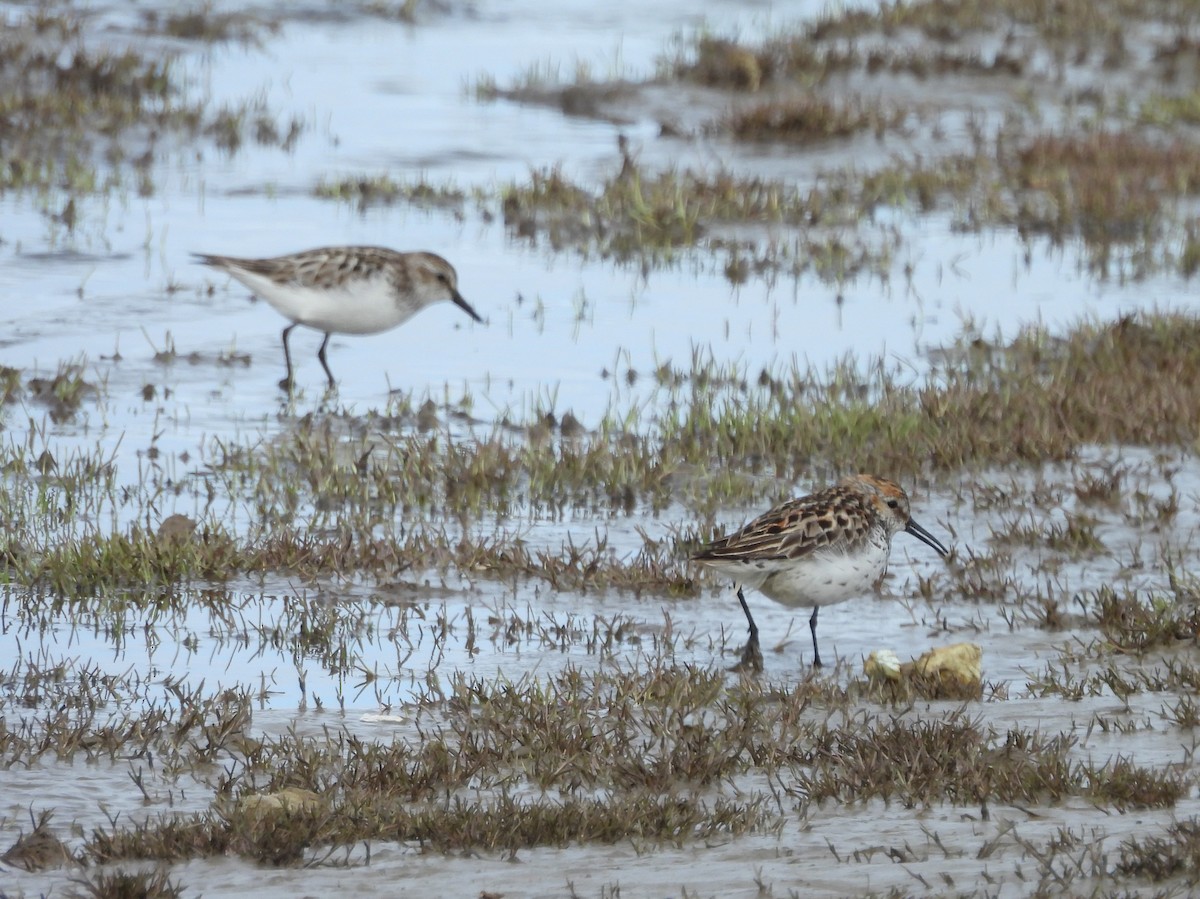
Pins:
x,y
893,504
441,276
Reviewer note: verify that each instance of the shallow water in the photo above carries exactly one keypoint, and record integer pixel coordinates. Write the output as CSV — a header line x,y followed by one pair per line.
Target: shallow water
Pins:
x,y
553,322
380,96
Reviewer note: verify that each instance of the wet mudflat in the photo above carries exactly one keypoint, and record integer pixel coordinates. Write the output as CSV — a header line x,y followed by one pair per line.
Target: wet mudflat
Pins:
x,y
434,634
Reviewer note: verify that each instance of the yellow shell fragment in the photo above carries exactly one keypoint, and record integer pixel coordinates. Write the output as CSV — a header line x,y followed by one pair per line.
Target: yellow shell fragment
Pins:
x,y
291,799
961,661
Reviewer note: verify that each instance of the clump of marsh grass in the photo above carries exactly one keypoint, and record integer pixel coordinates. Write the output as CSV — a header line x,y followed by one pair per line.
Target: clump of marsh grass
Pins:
x,y
381,190
86,119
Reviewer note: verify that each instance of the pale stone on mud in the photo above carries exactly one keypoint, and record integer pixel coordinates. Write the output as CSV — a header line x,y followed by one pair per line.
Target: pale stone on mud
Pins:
x,y
961,662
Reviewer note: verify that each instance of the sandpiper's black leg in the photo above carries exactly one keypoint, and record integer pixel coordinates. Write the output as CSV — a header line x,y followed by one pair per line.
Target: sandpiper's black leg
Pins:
x,y
812,626
287,382
324,364
752,659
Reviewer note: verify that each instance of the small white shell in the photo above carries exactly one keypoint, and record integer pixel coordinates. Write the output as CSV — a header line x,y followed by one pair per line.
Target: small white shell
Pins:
x,y
882,663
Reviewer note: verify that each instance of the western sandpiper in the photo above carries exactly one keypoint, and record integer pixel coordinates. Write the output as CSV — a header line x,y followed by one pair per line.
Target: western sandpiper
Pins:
x,y
816,550
345,290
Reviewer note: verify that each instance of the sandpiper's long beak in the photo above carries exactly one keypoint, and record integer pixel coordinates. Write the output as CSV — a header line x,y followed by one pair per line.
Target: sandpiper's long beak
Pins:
x,y
925,537
457,299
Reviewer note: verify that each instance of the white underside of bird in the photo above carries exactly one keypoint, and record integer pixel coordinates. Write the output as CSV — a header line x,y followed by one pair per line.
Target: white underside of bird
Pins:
x,y
364,305
823,578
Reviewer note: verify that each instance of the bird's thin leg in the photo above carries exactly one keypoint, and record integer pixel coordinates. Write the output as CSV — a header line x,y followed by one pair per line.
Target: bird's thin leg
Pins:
x,y
749,618
751,659
324,364
812,626
287,382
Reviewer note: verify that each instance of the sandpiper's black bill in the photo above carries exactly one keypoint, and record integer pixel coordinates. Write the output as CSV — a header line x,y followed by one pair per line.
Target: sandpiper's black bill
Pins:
x,y
465,306
925,537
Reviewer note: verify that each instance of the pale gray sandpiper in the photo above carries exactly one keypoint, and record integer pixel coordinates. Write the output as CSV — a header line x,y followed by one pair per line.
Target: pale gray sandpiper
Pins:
x,y
815,551
345,290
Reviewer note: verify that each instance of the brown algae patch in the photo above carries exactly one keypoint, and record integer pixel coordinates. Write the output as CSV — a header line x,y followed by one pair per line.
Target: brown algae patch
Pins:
x,y
808,119
204,23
